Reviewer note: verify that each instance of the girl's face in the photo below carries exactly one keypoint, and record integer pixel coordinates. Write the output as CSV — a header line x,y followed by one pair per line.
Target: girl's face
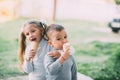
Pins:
x,y
57,39
32,33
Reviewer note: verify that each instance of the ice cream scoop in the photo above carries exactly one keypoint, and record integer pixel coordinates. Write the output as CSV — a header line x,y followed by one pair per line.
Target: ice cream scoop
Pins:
x,y
67,45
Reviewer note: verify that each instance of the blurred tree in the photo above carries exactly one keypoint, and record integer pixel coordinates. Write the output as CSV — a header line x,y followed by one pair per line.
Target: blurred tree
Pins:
x,y
117,2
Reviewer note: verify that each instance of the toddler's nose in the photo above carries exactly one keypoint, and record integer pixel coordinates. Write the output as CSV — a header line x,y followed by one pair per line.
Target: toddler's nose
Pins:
x,y
65,41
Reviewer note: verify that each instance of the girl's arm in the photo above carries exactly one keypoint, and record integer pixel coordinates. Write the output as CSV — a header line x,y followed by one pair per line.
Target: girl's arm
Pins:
x,y
28,65
54,54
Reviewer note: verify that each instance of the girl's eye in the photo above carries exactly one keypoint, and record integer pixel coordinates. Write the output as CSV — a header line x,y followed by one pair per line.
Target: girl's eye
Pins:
x,y
33,30
27,34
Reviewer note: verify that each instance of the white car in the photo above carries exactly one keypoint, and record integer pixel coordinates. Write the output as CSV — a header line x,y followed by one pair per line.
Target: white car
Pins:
x,y
115,25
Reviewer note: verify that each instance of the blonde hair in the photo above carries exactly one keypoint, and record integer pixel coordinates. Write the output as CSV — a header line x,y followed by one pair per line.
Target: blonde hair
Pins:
x,y
22,39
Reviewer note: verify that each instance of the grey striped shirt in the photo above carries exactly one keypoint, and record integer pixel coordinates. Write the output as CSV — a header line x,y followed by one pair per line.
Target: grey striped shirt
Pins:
x,y
57,71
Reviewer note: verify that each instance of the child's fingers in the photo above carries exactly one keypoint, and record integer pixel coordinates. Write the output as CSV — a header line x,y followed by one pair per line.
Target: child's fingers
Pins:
x,y
54,54
32,50
31,54
66,54
50,53
66,49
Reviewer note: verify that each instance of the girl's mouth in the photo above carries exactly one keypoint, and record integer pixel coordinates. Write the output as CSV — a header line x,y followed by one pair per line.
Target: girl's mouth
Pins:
x,y
33,39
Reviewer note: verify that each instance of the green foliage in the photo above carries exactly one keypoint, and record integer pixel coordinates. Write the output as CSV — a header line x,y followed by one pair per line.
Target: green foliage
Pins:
x,y
8,64
112,68
9,32
107,70
117,2
7,70
90,69
96,48
6,45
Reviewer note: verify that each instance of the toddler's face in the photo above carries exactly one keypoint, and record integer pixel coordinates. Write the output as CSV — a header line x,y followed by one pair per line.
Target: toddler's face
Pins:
x,y
32,33
57,39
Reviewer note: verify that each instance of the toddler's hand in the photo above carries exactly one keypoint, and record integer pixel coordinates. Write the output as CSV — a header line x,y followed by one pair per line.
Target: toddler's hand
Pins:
x,y
64,56
66,53
68,46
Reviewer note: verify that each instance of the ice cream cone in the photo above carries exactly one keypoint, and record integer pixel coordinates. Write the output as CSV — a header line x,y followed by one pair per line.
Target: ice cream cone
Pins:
x,y
35,46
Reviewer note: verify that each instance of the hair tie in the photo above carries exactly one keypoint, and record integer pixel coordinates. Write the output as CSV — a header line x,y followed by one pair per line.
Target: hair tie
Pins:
x,y
41,24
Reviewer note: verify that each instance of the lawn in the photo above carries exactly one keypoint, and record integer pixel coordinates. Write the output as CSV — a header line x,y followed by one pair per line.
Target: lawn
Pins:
x,y
93,41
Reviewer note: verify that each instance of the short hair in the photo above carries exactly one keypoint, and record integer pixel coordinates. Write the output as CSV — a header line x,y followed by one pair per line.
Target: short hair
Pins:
x,y
54,27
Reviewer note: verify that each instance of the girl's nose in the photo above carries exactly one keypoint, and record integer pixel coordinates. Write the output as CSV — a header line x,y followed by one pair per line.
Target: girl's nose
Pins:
x,y
30,35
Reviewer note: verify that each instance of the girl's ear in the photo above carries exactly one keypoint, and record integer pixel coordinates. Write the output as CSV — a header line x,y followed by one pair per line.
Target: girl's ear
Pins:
x,y
41,30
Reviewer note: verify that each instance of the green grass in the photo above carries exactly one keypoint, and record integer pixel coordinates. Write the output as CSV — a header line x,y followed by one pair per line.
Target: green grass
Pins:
x,y
9,64
95,58
9,32
85,36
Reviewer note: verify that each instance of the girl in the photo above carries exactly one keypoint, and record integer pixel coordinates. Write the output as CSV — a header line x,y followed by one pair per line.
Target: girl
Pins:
x,y
63,68
31,59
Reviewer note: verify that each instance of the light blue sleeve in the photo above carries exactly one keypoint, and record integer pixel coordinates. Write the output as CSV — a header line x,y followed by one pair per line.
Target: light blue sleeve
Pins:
x,y
27,65
74,70
52,65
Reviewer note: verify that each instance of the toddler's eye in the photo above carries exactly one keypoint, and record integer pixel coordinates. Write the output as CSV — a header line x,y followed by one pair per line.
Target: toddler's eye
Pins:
x,y
58,38
65,37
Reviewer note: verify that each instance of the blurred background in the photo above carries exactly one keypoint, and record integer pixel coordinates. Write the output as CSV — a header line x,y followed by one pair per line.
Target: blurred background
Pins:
x,y
95,10
91,26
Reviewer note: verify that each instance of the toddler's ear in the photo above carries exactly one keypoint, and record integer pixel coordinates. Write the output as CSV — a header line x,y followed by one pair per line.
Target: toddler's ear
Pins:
x,y
49,43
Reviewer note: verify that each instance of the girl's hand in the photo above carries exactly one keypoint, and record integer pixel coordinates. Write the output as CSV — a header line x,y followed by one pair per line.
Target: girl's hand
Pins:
x,y
30,54
54,54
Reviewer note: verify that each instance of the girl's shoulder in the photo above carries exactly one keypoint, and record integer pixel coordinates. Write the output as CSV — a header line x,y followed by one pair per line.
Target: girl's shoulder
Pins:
x,y
43,40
